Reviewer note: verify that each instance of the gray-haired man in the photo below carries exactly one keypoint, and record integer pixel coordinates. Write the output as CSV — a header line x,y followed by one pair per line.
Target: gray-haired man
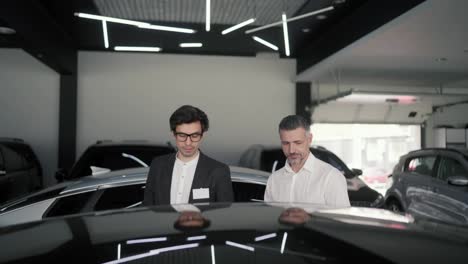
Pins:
x,y
304,178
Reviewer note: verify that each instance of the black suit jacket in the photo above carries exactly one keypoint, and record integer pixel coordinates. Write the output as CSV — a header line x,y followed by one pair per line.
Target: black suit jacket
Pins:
x,y
209,173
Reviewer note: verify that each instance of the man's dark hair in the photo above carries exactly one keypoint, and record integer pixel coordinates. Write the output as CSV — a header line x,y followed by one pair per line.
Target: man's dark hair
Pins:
x,y
292,122
187,114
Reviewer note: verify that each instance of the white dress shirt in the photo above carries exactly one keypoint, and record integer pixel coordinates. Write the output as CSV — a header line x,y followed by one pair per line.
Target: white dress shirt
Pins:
x,y
317,182
182,178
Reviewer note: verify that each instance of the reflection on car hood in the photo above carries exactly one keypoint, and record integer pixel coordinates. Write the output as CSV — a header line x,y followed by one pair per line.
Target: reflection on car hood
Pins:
x,y
258,232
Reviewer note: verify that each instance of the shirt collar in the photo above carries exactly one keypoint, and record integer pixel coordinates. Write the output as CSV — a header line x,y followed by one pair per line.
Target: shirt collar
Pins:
x,y
190,163
308,165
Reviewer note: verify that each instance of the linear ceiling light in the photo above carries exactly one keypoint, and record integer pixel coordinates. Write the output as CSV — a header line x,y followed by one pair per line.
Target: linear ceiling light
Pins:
x,y
164,28
190,45
111,19
235,27
290,20
285,33
208,15
146,49
104,32
266,43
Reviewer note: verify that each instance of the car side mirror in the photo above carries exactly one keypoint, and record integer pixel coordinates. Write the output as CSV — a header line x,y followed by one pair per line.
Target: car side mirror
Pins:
x,y
458,180
357,172
61,175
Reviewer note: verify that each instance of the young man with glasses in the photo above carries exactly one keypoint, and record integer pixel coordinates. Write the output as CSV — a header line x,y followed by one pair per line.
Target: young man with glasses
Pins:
x,y
188,176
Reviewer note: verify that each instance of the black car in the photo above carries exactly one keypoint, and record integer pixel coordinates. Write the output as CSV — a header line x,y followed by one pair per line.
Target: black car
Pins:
x,y
20,170
106,155
234,233
269,159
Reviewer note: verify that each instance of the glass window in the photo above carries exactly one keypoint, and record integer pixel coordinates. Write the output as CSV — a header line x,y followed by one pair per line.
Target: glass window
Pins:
x,y
112,158
245,192
2,164
71,204
450,167
421,165
13,161
120,197
34,199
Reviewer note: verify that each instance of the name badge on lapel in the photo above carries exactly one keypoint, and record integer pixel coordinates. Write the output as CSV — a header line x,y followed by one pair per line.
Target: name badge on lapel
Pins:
x,y
202,193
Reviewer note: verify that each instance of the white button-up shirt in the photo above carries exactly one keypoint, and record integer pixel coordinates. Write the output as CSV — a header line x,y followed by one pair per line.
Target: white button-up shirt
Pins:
x,y
317,182
182,178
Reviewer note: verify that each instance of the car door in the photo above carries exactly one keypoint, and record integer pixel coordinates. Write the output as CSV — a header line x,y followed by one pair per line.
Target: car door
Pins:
x,y
450,199
416,181
15,180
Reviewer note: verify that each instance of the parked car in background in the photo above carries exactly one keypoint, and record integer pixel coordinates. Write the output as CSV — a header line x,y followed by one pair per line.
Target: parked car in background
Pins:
x,y
431,182
113,190
271,159
106,155
20,170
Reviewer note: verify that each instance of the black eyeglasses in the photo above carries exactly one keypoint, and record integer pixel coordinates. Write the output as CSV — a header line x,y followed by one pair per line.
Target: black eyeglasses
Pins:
x,y
182,137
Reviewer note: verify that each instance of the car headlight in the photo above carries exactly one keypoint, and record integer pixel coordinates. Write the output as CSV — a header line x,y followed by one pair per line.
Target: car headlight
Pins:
x,y
378,202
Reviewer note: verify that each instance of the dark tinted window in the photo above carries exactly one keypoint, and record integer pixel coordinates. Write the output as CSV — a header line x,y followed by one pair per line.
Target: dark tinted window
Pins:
x,y
269,157
34,199
72,204
26,152
120,197
13,160
244,192
111,158
421,165
450,167
2,164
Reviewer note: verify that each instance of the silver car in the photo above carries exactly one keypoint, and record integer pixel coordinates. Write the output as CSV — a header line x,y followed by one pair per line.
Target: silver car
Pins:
x,y
112,190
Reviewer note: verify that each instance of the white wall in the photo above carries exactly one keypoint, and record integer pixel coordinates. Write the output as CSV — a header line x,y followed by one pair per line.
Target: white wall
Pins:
x,y
455,116
29,103
132,95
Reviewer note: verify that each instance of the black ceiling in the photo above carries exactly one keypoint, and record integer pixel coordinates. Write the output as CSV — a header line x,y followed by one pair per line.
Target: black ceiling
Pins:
x,y
49,30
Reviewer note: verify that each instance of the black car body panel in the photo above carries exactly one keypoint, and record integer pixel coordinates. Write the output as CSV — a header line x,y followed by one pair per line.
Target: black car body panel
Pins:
x,y
149,235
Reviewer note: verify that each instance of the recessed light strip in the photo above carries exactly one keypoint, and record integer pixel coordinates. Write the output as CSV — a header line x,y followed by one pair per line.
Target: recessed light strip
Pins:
x,y
266,43
289,20
190,45
128,48
285,34
208,15
104,32
111,19
172,29
235,27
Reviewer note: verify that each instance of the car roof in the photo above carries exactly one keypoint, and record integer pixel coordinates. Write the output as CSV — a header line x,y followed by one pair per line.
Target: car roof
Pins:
x,y
125,143
139,175
435,150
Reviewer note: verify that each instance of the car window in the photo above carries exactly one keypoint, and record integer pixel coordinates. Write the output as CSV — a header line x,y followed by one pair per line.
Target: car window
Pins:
x,y
245,192
112,158
13,161
25,151
2,164
450,167
120,197
421,165
43,195
71,204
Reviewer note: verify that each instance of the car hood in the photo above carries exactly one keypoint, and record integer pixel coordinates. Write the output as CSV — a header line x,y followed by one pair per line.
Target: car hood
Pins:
x,y
257,232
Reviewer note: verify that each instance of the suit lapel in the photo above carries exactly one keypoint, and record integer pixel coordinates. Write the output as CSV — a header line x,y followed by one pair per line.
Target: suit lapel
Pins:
x,y
166,180
199,177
